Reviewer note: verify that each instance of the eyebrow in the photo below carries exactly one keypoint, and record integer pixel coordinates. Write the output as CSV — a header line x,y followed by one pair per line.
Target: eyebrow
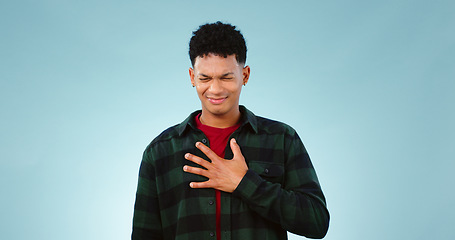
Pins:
x,y
226,74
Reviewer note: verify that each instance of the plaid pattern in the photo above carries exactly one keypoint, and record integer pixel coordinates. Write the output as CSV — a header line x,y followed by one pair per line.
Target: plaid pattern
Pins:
x,y
280,192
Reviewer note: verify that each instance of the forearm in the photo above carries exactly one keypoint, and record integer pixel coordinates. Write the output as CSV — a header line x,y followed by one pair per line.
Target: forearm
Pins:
x,y
301,210
146,219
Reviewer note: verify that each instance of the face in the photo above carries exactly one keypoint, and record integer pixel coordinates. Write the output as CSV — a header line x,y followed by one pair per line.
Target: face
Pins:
x,y
218,81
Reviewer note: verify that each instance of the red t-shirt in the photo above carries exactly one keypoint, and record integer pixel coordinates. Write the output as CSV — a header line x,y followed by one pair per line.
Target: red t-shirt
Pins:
x,y
218,138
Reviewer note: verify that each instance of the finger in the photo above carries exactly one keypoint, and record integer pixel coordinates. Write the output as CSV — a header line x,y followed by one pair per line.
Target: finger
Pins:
x,y
205,184
207,151
235,148
197,160
195,170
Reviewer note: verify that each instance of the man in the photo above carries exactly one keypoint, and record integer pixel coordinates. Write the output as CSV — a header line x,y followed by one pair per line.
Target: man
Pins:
x,y
224,173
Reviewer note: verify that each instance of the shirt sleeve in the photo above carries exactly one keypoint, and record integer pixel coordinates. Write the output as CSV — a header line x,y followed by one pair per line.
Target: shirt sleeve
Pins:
x,y
146,219
298,204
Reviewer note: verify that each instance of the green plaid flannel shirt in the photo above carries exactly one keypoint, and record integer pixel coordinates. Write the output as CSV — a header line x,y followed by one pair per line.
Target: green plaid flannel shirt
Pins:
x,y
280,192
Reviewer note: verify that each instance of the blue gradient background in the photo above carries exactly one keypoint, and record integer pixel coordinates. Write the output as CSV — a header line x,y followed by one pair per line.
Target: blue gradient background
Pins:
x,y
86,85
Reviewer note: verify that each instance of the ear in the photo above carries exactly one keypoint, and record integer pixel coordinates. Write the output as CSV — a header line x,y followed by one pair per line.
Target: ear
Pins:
x,y
191,72
246,74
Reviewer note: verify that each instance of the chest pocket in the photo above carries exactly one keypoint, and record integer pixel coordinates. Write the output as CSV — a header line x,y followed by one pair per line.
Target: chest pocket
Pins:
x,y
272,172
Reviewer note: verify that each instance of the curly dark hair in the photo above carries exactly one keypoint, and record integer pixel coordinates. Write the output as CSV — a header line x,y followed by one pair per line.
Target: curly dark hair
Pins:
x,y
217,38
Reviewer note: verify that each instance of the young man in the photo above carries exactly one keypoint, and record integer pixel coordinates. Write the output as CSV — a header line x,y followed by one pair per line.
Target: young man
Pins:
x,y
224,173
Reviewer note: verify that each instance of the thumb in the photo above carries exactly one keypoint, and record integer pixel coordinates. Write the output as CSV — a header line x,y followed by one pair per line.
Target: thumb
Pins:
x,y
235,148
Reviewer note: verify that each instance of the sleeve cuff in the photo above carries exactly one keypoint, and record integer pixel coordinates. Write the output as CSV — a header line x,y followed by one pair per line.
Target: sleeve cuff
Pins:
x,y
249,185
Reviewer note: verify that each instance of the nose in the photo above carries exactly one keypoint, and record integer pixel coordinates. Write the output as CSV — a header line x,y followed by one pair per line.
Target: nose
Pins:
x,y
215,86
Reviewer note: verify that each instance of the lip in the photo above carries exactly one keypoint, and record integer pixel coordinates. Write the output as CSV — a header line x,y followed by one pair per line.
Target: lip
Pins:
x,y
216,101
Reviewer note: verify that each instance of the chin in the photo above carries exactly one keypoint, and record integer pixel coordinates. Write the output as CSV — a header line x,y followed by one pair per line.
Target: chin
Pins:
x,y
217,110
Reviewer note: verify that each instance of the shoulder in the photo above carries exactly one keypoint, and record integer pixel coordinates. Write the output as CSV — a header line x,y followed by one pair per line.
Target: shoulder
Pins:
x,y
269,126
173,133
166,135
262,125
162,140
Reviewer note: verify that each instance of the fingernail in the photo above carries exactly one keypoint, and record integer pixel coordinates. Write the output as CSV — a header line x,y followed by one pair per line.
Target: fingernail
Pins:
x,y
191,185
234,140
187,155
185,168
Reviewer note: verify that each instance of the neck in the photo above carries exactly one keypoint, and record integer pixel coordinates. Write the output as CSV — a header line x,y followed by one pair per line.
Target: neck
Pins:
x,y
220,121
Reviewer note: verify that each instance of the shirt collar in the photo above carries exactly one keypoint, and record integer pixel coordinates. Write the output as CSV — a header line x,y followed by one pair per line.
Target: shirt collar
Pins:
x,y
247,118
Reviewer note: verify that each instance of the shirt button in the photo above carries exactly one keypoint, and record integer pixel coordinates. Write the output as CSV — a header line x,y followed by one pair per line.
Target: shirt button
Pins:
x,y
204,141
211,202
266,171
212,234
